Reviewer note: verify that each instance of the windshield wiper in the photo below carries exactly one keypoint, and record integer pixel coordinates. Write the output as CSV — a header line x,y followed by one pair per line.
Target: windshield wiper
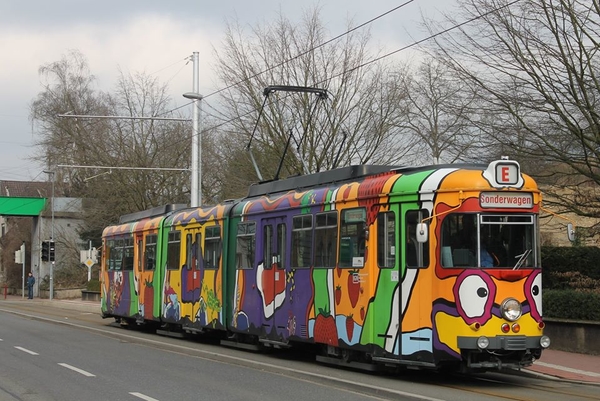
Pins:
x,y
522,258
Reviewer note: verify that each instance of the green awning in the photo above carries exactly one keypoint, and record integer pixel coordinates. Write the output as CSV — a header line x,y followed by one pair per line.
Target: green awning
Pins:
x,y
15,206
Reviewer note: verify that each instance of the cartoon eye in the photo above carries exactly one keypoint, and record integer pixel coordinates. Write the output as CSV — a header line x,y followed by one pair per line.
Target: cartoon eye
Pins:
x,y
474,293
473,306
533,291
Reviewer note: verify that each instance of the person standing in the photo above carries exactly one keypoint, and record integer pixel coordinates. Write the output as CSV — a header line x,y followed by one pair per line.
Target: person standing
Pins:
x,y
30,283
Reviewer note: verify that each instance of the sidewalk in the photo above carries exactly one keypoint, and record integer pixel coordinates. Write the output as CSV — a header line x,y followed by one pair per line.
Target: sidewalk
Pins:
x,y
568,366
72,304
562,365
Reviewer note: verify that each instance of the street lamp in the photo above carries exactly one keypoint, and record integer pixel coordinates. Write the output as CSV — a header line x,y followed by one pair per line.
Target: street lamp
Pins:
x,y
196,179
51,175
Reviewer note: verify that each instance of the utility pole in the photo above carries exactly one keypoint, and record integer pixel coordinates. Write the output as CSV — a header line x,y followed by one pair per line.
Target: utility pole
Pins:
x,y
51,174
196,179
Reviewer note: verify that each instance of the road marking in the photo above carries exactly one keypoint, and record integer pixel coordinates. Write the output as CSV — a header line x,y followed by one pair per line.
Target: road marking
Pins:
x,y
26,350
143,397
564,368
83,372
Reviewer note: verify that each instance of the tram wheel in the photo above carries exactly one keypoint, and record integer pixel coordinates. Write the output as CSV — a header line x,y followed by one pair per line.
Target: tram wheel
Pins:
x,y
348,355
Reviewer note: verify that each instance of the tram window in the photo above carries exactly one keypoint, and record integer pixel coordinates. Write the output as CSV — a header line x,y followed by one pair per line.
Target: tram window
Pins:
x,y
108,244
302,237
114,255
417,253
140,249
352,238
150,252
386,239
459,240
128,254
489,240
267,246
212,247
281,246
189,257
325,239
510,239
173,250
197,251
245,245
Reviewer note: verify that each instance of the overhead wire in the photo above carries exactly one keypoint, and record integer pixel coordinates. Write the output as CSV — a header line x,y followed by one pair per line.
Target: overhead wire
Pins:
x,y
314,48
413,44
418,42
299,55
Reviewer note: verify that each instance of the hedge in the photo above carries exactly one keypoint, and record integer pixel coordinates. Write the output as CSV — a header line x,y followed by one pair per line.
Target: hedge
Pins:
x,y
570,304
571,282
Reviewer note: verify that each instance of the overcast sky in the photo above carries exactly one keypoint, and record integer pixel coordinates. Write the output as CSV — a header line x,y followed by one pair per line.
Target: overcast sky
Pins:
x,y
151,36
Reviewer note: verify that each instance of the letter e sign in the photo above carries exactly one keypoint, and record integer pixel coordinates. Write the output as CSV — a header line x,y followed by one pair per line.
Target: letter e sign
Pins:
x,y
507,174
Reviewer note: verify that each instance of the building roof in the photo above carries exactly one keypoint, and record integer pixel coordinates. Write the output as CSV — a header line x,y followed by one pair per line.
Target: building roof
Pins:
x,y
31,189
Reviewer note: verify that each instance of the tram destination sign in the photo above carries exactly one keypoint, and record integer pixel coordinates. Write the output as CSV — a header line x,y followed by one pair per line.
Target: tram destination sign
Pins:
x,y
512,200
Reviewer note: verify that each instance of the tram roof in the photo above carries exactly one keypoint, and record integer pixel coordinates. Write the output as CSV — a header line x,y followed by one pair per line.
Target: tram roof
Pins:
x,y
154,212
344,174
338,175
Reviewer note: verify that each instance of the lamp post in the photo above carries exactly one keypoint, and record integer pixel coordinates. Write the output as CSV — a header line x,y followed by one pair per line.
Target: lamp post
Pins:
x,y
196,179
51,174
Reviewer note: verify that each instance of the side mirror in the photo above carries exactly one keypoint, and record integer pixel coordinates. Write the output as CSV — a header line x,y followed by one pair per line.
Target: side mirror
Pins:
x,y
570,232
422,232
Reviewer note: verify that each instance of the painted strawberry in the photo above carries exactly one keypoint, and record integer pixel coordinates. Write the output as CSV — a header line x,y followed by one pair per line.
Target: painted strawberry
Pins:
x,y
362,313
338,294
338,271
148,299
368,194
353,287
271,285
325,331
349,327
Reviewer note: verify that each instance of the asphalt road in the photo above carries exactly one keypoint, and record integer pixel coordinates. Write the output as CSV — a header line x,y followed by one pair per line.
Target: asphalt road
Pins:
x,y
59,354
43,360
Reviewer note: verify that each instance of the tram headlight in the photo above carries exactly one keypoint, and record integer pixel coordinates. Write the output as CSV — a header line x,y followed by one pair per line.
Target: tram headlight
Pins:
x,y
545,341
511,309
483,342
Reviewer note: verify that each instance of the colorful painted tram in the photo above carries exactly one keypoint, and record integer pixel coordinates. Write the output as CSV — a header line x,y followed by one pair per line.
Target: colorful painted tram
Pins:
x,y
429,267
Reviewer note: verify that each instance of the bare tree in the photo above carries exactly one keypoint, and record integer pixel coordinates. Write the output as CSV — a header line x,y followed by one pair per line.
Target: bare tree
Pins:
x,y
353,125
149,146
68,88
535,64
438,110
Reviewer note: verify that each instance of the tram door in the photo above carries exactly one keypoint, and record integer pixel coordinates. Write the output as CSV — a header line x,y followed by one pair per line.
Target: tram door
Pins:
x,y
272,278
416,290
139,289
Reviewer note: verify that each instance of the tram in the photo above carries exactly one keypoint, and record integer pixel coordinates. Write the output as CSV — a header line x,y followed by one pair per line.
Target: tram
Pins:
x,y
427,267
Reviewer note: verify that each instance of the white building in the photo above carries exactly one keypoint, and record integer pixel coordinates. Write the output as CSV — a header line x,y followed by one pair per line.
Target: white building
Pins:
x,y
60,223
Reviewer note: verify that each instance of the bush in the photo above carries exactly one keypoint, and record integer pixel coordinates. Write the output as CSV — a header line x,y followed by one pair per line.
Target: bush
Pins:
x,y
571,304
45,283
69,277
560,263
93,285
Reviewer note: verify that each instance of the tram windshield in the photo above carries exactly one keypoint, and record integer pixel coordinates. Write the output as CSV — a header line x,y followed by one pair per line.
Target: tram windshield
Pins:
x,y
489,240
